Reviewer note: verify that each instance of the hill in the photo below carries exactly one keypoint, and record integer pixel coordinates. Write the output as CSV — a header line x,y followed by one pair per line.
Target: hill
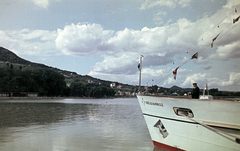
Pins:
x,y
7,56
175,88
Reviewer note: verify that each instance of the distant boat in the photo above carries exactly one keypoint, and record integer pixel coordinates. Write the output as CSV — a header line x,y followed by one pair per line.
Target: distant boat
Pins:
x,y
181,123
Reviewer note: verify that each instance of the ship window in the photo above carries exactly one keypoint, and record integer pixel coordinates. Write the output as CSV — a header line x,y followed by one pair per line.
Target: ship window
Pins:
x,y
183,112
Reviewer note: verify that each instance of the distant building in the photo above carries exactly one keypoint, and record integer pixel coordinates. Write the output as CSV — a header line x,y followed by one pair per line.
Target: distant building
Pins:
x,y
120,86
4,95
175,94
128,93
112,85
90,81
21,94
32,94
133,94
125,93
120,92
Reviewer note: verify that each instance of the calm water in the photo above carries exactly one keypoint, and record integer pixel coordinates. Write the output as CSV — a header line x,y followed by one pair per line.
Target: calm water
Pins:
x,y
73,125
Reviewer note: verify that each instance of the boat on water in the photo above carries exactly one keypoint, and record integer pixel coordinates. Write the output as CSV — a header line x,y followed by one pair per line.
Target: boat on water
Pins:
x,y
181,123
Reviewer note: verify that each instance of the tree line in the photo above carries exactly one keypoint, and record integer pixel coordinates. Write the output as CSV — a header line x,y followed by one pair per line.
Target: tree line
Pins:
x,y
45,82
79,89
213,91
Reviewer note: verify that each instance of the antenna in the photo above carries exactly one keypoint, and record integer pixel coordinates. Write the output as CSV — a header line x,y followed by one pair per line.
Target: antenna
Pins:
x,y
140,70
206,89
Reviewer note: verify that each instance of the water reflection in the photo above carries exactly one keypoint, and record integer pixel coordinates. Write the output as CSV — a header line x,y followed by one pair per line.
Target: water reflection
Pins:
x,y
23,114
158,149
70,125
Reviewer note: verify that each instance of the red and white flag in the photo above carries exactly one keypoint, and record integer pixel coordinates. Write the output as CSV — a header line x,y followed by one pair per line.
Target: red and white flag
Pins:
x,y
195,56
235,20
214,40
175,73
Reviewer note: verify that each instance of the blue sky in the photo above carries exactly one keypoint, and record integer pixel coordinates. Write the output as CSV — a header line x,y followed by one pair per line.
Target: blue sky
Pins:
x,y
105,39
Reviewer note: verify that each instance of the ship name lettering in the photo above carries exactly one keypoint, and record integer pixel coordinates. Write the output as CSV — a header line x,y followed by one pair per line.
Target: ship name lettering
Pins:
x,y
154,103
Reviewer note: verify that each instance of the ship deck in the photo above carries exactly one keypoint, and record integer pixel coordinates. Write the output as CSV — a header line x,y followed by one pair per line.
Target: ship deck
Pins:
x,y
189,98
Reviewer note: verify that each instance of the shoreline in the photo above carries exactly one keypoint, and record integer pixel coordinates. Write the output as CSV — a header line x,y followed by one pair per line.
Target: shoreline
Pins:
x,y
236,98
39,98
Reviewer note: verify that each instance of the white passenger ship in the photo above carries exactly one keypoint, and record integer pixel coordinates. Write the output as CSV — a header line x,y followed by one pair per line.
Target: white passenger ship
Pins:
x,y
177,124
181,123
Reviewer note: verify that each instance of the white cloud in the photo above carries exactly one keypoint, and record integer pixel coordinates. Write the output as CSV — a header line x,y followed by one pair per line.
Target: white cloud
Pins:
x,y
167,79
153,72
29,42
184,33
43,35
231,3
6,40
131,79
160,45
200,78
227,52
127,45
184,3
234,79
82,39
152,3
158,18
120,49
213,82
147,4
184,60
149,76
41,3
121,63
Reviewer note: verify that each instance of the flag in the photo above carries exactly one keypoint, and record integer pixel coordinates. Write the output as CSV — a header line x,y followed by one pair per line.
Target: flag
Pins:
x,y
175,73
235,20
214,40
139,67
195,56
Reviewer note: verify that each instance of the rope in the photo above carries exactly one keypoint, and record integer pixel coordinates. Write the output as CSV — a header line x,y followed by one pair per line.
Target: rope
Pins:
x,y
220,22
237,139
205,47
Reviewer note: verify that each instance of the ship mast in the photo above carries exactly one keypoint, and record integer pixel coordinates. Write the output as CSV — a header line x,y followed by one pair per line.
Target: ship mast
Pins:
x,y
140,70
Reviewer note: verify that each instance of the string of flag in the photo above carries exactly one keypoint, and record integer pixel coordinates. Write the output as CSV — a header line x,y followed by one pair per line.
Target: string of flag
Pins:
x,y
217,25
195,55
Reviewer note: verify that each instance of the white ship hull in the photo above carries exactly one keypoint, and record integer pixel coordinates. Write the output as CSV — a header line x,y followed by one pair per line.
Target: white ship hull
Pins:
x,y
170,130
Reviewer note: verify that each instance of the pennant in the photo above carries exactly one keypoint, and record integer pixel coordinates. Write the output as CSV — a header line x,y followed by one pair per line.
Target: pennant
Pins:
x,y
235,20
139,67
195,56
175,73
214,40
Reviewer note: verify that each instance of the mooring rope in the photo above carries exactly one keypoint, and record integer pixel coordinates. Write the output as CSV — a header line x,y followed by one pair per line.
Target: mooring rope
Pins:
x,y
237,139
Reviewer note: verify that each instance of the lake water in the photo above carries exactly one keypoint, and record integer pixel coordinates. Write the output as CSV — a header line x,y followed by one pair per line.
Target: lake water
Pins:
x,y
73,125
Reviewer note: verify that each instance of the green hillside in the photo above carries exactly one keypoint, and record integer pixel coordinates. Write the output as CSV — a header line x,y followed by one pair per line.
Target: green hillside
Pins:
x,y
15,70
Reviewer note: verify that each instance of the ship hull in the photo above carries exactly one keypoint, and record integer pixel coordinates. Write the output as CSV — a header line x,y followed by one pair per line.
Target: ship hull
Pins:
x,y
171,130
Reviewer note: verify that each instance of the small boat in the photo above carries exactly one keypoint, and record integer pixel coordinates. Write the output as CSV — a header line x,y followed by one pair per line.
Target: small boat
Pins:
x,y
182,123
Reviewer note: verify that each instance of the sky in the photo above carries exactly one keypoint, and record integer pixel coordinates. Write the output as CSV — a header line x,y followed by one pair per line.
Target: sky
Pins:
x,y
105,39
